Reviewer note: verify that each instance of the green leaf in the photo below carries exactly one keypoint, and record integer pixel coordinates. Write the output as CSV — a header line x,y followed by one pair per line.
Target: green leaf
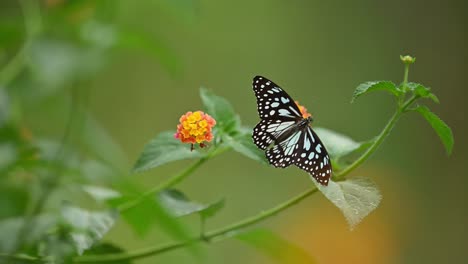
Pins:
x,y
356,198
180,205
164,148
222,111
87,227
149,212
10,228
100,194
374,86
279,249
443,130
212,209
337,144
422,91
243,144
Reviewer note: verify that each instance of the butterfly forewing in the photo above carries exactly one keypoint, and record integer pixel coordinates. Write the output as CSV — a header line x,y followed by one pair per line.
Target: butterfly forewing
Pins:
x,y
273,103
285,134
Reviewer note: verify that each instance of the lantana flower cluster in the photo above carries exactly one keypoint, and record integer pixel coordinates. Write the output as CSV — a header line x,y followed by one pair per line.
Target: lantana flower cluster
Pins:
x,y
195,128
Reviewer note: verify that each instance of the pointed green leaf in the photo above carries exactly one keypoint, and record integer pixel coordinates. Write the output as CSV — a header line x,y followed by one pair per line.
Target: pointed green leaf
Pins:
x,y
243,144
441,128
337,144
180,205
374,86
87,227
221,110
356,197
278,248
164,148
422,91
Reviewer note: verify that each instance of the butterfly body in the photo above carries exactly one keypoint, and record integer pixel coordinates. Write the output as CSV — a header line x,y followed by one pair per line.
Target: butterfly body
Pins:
x,y
285,134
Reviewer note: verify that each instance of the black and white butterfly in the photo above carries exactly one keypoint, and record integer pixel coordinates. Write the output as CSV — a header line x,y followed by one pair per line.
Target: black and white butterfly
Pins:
x,y
285,134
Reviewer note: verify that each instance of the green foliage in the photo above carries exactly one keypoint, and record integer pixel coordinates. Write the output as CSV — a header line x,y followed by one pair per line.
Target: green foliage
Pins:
x,y
220,109
440,127
338,145
422,91
278,248
162,149
148,212
180,205
243,144
366,87
86,228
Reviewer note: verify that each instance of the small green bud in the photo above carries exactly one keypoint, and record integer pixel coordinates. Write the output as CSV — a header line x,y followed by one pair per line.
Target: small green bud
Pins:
x,y
407,59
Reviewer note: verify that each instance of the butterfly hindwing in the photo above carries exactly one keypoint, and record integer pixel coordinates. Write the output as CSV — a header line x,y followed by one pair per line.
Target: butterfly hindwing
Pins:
x,y
312,157
282,154
273,103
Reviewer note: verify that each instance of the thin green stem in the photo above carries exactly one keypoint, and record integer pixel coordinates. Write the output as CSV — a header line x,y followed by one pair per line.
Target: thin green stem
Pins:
x,y
166,184
172,180
32,21
380,138
405,77
20,258
213,236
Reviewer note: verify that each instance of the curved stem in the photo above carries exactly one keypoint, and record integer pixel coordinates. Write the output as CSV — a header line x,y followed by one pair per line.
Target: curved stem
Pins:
x,y
166,184
32,21
171,181
20,258
212,236
380,138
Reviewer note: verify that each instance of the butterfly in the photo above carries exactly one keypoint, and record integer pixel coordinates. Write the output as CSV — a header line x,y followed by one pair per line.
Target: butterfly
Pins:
x,y
285,134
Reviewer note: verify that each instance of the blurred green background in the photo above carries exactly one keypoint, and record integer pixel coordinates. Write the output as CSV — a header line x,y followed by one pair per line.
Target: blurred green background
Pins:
x,y
138,83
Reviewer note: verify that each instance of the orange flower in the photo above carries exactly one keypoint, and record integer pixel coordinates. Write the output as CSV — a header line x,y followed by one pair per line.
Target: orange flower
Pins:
x,y
195,128
304,112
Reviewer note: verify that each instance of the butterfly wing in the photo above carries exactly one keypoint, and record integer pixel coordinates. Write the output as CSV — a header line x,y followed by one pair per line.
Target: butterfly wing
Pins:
x,y
267,131
273,103
312,156
282,153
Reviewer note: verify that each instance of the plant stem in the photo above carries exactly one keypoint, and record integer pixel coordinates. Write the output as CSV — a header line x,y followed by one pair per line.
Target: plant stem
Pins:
x,y
32,21
166,184
213,236
172,180
405,77
380,138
